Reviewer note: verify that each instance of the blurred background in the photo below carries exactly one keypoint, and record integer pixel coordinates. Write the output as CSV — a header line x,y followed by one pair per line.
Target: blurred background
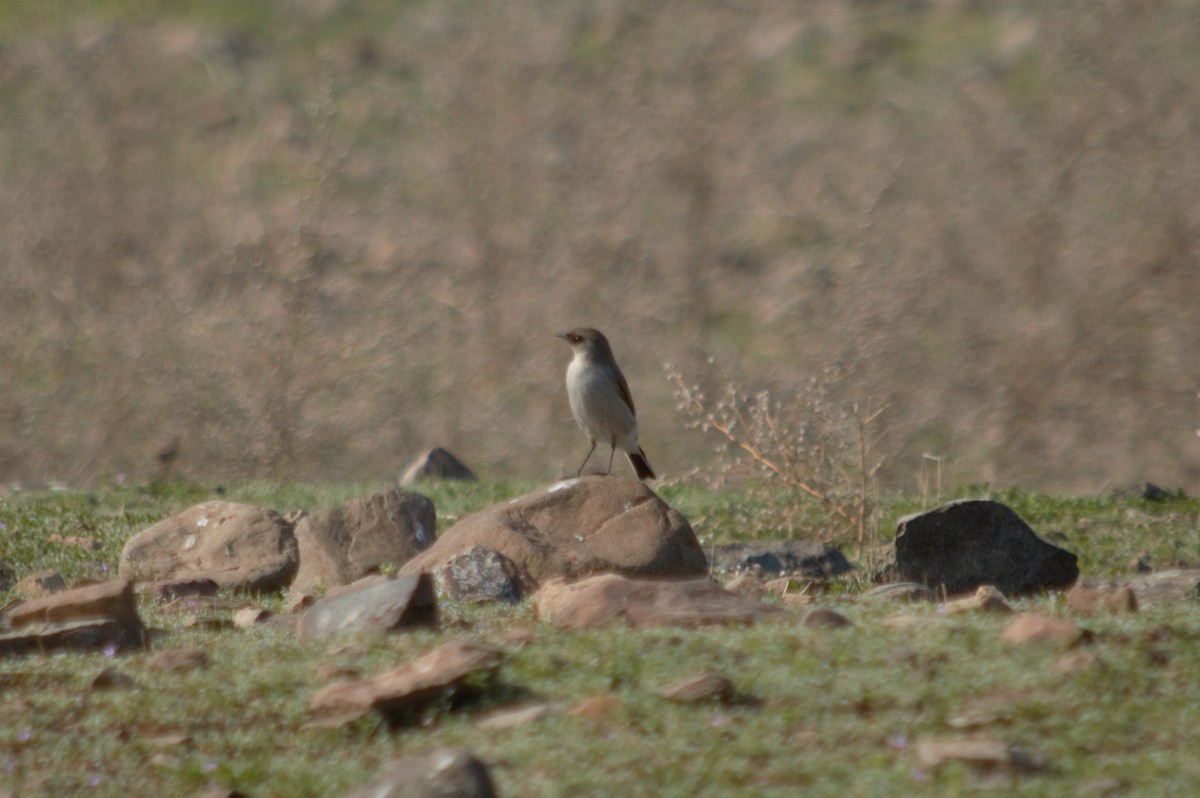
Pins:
x,y
306,239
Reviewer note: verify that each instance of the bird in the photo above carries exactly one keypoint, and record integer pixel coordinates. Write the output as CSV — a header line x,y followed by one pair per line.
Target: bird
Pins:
x,y
600,399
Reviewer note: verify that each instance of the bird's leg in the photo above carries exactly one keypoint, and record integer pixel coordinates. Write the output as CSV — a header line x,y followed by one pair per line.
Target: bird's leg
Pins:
x,y
589,457
611,454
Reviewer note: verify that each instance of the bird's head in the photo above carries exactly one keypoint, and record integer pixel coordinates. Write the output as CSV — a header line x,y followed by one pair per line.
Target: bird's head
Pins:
x,y
587,341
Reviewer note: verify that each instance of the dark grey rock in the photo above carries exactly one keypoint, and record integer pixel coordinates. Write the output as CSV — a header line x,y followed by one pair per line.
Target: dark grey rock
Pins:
x,y
1153,493
382,605
444,773
479,574
436,463
973,542
800,557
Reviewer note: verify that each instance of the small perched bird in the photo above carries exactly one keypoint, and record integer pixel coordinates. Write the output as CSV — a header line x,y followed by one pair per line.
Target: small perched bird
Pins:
x,y
600,399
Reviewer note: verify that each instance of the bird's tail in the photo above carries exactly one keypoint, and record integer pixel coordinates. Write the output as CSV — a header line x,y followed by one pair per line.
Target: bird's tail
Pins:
x,y
640,465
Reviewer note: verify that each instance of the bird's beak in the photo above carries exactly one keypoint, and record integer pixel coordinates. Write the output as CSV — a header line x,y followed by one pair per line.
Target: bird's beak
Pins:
x,y
562,335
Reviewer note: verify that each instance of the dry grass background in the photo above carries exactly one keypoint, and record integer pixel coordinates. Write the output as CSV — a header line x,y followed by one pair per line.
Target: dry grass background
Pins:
x,y
307,239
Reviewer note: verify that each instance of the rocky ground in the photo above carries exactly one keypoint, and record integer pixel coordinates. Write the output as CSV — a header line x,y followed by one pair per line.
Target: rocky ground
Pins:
x,y
236,641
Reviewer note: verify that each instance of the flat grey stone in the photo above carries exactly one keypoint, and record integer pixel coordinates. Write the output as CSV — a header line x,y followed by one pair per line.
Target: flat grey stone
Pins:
x,y
381,605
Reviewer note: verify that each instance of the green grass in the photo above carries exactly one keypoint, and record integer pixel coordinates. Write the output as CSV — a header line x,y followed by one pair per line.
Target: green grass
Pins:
x,y
834,712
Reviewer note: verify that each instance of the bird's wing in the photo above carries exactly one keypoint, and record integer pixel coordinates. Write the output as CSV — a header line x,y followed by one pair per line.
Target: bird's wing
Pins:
x,y
624,387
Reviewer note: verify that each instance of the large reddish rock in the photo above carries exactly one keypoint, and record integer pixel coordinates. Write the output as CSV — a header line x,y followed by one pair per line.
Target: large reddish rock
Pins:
x,y
343,544
575,528
102,614
609,599
238,546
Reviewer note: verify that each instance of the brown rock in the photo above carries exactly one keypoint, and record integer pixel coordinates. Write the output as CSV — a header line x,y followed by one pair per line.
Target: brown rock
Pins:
x,y
381,605
1036,627
1123,599
105,599
1166,587
1090,600
199,604
1162,587
444,773
100,615
514,636
825,618
998,707
597,708
746,583
208,622
40,584
609,598
1102,787
575,528
986,755
250,616
111,678
986,599
343,544
300,600
400,692
238,546
513,717
170,589
1076,662
435,464
178,660
168,740
707,686
1084,600
902,621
